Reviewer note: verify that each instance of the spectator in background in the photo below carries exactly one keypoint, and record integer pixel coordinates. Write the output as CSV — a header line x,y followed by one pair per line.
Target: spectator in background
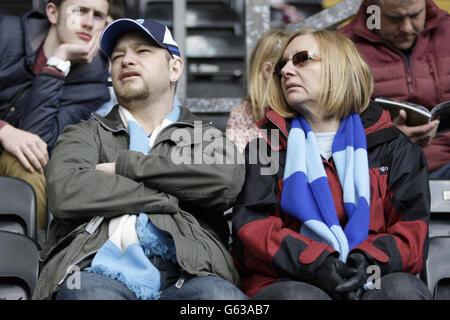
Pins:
x,y
241,126
145,225
409,57
117,10
51,75
339,189
290,12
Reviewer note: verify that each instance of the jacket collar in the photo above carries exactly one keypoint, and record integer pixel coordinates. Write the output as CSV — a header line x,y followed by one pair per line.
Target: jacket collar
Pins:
x,y
376,122
36,27
112,121
272,120
434,15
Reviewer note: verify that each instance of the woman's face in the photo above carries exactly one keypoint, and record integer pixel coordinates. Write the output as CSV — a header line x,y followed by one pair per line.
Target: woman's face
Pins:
x,y
301,83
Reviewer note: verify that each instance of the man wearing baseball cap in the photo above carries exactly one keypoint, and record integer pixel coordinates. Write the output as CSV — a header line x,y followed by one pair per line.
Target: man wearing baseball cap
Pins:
x,y
137,222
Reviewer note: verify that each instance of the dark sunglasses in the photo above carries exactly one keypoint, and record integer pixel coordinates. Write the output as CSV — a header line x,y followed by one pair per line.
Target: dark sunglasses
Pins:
x,y
297,59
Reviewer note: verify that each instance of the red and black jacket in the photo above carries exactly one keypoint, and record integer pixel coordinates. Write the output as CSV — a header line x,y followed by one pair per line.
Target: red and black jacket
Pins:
x,y
266,243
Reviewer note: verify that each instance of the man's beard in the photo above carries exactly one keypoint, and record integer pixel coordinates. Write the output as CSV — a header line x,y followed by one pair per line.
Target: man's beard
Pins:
x,y
126,94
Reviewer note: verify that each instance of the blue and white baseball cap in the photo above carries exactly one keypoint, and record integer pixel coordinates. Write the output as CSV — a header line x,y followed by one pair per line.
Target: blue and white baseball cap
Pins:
x,y
157,31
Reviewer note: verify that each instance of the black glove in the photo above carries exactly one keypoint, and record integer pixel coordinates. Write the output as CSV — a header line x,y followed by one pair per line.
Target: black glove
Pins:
x,y
331,274
352,288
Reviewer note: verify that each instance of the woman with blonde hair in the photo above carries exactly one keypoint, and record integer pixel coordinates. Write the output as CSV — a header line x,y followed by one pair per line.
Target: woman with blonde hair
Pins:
x,y
347,208
241,127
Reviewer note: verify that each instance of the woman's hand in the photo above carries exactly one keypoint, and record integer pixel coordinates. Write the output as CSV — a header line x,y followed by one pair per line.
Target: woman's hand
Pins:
x,y
353,288
332,274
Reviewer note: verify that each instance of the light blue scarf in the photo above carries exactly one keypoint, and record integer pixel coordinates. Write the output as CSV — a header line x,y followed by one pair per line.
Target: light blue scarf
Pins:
x,y
306,193
125,255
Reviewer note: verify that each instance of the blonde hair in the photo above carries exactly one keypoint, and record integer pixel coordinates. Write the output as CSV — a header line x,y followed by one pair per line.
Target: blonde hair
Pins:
x,y
267,49
346,79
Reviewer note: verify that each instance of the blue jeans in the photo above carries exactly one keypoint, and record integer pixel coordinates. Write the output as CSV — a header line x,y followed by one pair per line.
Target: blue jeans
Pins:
x,y
99,287
204,288
291,290
394,286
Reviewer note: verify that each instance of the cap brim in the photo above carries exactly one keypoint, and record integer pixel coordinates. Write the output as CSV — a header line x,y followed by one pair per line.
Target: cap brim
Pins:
x,y
118,28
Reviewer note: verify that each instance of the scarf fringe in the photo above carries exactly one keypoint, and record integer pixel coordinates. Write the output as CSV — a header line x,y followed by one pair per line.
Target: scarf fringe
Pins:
x,y
137,286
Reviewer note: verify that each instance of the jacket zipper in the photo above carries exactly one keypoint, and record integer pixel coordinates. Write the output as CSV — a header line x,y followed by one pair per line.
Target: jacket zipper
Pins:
x,y
180,280
182,277
409,81
94,224
435,77
90,228
276,125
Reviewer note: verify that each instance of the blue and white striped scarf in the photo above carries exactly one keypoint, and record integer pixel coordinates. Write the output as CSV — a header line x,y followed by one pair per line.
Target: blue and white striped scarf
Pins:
x,y
306,193
133,239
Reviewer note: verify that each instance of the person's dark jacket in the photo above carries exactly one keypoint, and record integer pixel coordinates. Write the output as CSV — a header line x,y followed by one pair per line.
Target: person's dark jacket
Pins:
x,y
267,245
46,103
185,183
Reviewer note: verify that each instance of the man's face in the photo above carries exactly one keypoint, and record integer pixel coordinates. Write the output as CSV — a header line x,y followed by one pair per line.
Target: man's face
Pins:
x,y
401,22
139,68
79,20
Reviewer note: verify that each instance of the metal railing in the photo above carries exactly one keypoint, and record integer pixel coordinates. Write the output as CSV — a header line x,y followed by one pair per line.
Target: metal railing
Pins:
x,y
329,17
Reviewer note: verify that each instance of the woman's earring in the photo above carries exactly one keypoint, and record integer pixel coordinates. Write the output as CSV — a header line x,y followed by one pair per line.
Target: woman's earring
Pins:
x,y
173,83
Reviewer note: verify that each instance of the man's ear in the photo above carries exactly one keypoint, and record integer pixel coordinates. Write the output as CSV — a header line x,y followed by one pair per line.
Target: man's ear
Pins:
x,y
109,19
52,12
175,68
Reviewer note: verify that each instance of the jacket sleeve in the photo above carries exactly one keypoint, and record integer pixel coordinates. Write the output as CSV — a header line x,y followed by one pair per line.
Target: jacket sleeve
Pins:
x,y
54,102
265,241
210,176
398,231
76,191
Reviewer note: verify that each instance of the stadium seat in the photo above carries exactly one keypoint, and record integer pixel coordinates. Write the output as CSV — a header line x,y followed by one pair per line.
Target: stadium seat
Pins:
x,y
437,268
436,272
17,207
440,208
19,266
